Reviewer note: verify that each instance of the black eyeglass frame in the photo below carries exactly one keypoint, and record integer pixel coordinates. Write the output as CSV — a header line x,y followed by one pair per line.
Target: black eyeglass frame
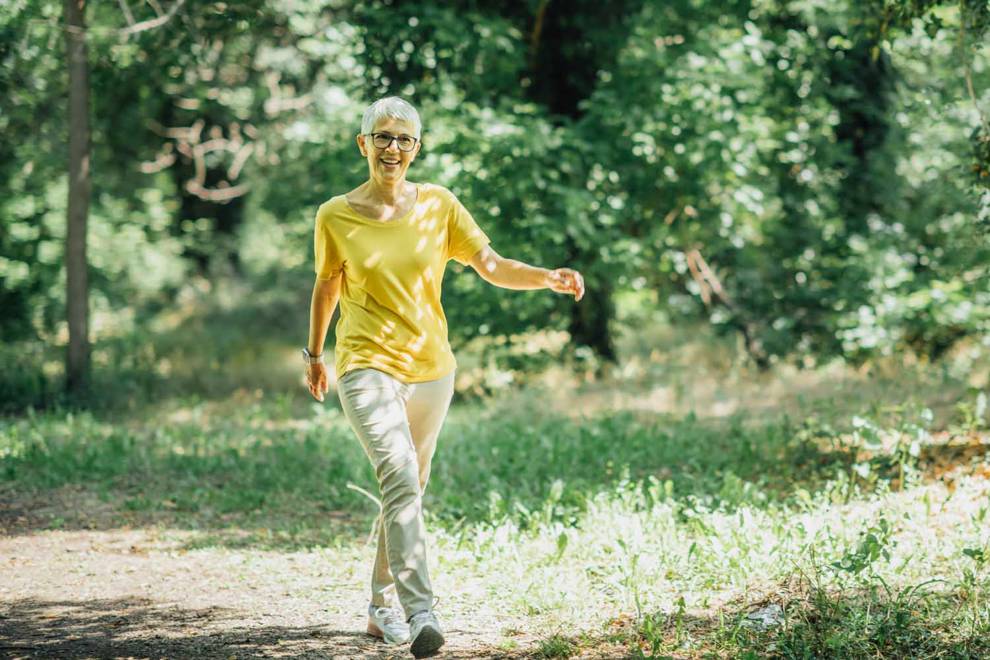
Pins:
x,y
394,138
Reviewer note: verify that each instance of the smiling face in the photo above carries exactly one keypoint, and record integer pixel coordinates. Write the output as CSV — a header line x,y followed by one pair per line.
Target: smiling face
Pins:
x,y
388,166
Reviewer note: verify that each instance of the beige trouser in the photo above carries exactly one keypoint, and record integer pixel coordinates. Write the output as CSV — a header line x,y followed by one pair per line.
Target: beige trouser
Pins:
x,y
397,424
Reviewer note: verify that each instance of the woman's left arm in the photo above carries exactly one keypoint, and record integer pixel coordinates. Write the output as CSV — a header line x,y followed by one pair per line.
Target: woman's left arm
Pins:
x,y
511,274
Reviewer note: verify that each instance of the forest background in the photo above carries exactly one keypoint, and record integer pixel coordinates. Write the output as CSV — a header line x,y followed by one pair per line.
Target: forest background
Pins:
x,y
811,177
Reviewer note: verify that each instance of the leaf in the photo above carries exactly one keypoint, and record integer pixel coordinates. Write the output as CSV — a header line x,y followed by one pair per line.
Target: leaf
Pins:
x,y
979,555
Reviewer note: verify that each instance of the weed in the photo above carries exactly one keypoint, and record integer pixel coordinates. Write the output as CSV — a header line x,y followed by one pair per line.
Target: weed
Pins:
x,y
556,646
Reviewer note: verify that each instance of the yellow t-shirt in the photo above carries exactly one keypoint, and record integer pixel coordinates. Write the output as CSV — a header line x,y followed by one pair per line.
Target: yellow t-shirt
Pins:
x,y
390,313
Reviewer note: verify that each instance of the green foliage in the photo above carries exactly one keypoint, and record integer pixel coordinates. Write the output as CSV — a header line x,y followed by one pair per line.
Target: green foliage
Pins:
x,y
872,546
807,178
556,646
31,226
25,384
855,625
810,176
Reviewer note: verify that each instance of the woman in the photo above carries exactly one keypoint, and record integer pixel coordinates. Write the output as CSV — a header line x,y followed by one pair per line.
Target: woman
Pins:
x,y
381,251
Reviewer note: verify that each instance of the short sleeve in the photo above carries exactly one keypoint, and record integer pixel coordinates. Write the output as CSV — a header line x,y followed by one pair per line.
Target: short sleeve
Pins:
x,y
464,236
328,261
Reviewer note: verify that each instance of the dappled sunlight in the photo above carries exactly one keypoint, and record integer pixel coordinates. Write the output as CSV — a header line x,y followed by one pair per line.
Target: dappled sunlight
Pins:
x,y
727,394
658,552
133,590
662,556
373,260
685,370
391,275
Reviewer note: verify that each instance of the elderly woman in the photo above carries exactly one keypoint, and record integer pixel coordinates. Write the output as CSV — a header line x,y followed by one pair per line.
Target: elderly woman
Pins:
x,y
381,250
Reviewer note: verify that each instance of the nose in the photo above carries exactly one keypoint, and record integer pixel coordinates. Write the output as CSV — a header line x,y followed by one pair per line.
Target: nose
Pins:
x,y
393,146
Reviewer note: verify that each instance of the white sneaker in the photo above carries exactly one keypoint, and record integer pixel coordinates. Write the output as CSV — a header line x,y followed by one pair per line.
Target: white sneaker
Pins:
x,y
425,633
387,623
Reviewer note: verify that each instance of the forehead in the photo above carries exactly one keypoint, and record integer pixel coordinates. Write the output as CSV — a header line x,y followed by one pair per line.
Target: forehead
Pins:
x,y
394,126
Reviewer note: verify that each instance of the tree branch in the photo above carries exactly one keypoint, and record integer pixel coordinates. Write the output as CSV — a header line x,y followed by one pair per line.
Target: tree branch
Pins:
x,y
153,23
128,16
968,69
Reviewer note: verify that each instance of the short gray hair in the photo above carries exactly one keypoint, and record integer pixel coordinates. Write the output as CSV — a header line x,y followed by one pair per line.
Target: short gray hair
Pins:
x,y
391,107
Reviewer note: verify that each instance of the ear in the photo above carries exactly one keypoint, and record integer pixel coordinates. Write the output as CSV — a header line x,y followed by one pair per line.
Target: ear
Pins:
x,y
361,145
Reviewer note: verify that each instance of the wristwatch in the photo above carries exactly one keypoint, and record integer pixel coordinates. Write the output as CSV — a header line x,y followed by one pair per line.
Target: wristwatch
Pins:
x,y
309,358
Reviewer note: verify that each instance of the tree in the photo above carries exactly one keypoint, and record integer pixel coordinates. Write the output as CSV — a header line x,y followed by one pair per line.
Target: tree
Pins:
x,y
970,20
77,276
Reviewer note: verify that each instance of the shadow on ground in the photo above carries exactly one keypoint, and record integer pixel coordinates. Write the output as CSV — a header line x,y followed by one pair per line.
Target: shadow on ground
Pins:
x,y
140,628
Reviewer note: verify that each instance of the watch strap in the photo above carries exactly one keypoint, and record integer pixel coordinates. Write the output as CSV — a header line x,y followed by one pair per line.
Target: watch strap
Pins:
x,y
309,358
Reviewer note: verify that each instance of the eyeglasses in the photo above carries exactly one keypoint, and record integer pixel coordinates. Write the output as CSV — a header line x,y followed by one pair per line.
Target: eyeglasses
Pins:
x,y
384,141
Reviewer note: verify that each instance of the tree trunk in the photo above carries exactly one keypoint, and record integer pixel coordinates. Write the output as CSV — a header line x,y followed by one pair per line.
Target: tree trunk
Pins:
x,y
570,43
77,279
590,320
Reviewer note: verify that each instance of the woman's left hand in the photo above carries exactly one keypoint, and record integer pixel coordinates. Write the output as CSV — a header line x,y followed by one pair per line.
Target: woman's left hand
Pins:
x,y
567,280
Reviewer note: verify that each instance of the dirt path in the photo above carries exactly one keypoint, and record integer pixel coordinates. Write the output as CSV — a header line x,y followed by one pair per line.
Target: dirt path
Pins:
x,y
138,593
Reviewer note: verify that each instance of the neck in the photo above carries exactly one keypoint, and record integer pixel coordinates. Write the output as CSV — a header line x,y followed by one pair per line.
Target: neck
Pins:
x,y
388,192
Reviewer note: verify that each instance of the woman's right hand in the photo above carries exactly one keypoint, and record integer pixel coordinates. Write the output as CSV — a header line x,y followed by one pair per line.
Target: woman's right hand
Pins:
x,y
317,381
566,280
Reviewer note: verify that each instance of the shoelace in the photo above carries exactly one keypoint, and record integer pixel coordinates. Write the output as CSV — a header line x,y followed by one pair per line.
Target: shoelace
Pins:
x,y
431,611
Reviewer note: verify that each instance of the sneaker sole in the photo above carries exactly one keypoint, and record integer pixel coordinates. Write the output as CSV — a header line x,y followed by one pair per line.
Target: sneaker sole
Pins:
x,y
375,631
427,642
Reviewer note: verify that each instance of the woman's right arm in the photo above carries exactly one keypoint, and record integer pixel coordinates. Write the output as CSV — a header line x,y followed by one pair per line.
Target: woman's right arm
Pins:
x,y
325,296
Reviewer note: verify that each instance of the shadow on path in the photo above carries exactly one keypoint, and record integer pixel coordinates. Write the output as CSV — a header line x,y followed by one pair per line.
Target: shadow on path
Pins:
x,y
140,628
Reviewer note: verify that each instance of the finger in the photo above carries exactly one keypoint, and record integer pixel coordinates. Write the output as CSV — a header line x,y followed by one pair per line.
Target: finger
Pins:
x,y
311,386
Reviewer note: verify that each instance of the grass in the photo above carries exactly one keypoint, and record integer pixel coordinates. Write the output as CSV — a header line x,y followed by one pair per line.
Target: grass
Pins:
x,y
859,508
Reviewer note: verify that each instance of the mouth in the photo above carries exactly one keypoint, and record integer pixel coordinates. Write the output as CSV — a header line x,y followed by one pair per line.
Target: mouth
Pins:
x,y
390,163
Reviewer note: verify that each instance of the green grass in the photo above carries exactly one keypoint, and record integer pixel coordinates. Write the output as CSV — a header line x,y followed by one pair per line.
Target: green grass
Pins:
x,y
556,646
258,461
650,533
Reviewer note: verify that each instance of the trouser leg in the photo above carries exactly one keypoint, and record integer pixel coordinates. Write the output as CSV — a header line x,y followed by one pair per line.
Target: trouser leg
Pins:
x,y
375,406
426,409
